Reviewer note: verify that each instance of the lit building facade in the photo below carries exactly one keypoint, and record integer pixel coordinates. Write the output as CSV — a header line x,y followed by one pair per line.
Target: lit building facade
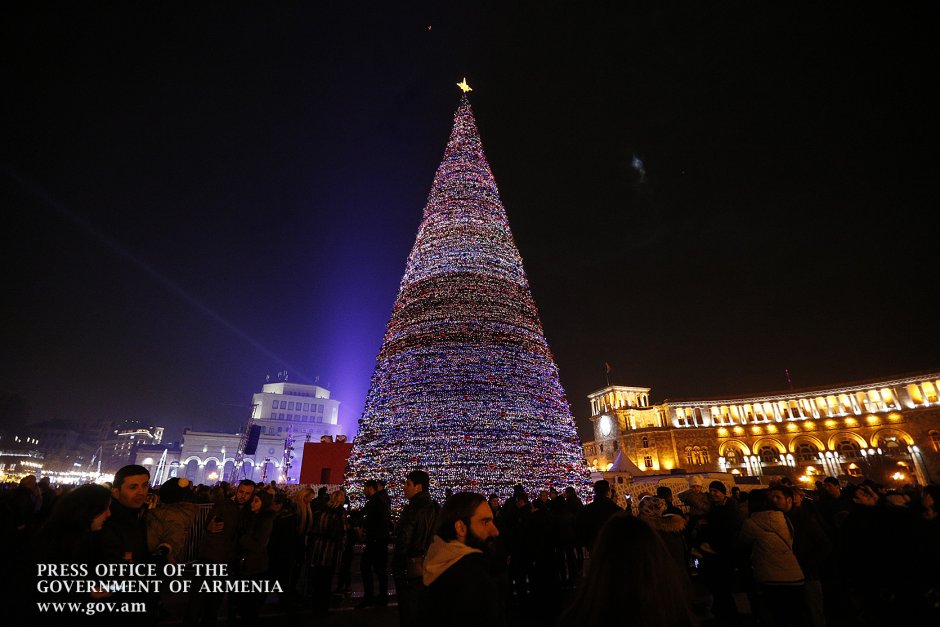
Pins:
x,y
283,411
888,430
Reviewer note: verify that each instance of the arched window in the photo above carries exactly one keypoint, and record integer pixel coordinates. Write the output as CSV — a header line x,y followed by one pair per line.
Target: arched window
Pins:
x,y
704,455
646,441
768,454
688,455
892,448
934,439
848,449
807,452
731,456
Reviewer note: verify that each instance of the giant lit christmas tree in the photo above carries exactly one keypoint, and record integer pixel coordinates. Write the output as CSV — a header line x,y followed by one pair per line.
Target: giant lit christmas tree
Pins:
x,y
465,386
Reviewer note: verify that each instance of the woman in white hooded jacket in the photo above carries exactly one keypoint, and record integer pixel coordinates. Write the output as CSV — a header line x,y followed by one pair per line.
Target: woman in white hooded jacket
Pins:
x,y
774,567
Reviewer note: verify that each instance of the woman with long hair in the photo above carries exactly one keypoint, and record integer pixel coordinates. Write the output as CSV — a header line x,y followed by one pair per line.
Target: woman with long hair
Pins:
x,y
326,546
631,580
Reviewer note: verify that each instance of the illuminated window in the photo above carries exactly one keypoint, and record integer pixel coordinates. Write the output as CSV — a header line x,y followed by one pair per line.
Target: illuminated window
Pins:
x,y
769,454
648,461
848,449
731,456
934,439
807,452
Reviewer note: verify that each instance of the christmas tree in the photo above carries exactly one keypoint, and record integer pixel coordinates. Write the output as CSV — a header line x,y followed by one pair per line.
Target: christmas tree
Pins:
x,y
465,386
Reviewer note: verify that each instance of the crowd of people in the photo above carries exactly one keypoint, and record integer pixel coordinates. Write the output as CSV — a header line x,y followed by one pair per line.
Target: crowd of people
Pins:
x,y
776,555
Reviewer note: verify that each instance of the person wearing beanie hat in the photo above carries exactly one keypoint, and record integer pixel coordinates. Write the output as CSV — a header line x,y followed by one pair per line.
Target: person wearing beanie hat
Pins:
x,y
718,542
695,499
717,486
169,524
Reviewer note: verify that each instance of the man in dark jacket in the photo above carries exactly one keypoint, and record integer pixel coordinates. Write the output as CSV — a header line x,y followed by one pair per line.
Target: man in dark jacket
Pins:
x,y
374,562
123,538
595,514
219,546
461,589
413,535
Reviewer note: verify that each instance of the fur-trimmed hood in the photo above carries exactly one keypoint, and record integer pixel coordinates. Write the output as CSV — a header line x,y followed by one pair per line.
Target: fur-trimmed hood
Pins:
x,y
670,523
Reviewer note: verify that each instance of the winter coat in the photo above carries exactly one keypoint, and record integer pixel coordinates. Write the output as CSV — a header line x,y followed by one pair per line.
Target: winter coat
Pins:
x,y
124,535
461,589
771,540
326,537
415,530
171,524
253,540
590,519
222,547
377,517
670,528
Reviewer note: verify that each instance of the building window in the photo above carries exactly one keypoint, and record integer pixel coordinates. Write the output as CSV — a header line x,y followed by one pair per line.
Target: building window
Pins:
x,y
290,405
806,452
280,416
646,442
306,406
731,456
320,409
934,439
847,449
648,462
769,455
276,405
688,455
273,415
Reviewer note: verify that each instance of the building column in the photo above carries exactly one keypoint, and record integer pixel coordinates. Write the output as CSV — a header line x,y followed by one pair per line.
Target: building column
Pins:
x,y
919,470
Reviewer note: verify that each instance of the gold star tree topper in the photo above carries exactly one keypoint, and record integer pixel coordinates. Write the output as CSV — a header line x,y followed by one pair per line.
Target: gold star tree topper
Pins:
x,y
464,86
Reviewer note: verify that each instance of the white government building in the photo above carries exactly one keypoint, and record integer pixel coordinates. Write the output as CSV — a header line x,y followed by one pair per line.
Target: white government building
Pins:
x,y
305,411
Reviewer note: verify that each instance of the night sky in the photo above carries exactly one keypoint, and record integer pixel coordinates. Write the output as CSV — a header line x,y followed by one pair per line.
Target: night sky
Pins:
x,y
198,195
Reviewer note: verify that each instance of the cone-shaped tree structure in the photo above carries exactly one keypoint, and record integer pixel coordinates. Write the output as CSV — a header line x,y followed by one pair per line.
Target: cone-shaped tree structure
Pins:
x,y
465,386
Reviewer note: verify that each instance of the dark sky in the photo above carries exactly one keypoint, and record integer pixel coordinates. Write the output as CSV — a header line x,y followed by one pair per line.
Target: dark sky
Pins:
x,y
197,195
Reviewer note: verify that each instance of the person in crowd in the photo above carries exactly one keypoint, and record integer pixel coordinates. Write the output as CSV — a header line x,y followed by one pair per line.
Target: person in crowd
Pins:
x,y
665,493
696,499
170,523
326,547
811,546
254,534
377,516
595,514
123,538
774,566
413,536
518,542
219,546
285,547
461,588
717,538
631,580
669,527
352,522
833,505
124,535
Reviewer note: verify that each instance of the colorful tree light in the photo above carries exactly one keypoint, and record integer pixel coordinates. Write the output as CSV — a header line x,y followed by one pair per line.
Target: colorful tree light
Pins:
x,y
465,386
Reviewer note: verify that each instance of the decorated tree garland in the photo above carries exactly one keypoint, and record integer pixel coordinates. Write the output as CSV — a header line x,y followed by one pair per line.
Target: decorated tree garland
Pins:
x,y
465,386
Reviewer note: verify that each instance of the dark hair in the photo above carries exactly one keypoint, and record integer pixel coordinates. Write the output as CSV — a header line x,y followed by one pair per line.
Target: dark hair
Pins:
x,y
372,483
665,493
67,532
786,491
460,506
832,481
652,587
419,477
128,471
602,487
718,485
757,501
248,482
